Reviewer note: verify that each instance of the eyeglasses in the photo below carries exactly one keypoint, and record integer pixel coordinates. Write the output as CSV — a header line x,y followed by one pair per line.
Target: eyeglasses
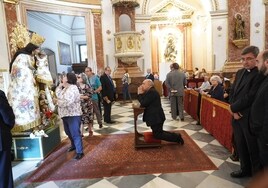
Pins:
x,y
247,59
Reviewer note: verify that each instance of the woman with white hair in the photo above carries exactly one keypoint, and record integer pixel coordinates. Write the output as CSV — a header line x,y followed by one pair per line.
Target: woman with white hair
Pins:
x,y
216,91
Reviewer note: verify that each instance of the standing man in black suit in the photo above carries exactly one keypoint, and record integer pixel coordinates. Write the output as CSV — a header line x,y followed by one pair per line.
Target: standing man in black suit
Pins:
x,y
153,114
149,75
7,121
242,95
259,111
108,94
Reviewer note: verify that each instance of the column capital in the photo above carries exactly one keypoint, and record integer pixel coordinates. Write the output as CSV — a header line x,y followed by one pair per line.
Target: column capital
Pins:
x,y
11,1
265,2
96,11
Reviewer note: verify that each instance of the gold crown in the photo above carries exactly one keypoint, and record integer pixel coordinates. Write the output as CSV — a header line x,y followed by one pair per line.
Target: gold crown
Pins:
x,y
19,37
37,39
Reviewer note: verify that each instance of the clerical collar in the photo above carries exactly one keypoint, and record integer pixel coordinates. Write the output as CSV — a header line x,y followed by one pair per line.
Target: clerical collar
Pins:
x,y
249,70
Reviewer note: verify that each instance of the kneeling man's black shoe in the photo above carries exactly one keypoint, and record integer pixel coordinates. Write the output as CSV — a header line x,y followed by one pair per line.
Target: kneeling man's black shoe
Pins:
x,y
180,141
240,174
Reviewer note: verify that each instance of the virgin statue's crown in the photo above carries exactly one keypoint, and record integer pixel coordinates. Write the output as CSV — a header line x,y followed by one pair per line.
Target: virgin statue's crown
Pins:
x,y
37,39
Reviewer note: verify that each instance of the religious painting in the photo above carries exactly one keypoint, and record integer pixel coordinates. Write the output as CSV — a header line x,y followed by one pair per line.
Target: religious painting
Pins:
x,y
64,53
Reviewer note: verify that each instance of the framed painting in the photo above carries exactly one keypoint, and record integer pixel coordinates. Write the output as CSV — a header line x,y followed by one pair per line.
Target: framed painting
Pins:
x,y
64,53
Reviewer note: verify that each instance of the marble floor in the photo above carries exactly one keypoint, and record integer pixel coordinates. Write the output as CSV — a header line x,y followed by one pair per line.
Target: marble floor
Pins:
x,y
123,115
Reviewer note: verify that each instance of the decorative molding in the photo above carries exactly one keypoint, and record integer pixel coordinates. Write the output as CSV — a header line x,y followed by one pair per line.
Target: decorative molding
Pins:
x,y
215,5
177,4
265,2
11,1
89,2
96,11
219,14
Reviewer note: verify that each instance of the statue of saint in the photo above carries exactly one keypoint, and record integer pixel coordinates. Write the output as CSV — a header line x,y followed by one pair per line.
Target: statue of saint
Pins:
x,y
239,27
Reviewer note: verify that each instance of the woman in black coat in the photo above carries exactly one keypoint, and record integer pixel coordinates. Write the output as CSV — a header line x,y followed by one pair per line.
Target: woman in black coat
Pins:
x,y
7,121
216,91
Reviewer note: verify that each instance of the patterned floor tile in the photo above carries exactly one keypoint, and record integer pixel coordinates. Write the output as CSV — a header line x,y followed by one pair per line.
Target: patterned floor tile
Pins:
x,y
185,180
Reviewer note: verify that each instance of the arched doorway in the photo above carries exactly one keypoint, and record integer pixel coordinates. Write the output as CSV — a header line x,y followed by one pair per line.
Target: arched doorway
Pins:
x,y
51,63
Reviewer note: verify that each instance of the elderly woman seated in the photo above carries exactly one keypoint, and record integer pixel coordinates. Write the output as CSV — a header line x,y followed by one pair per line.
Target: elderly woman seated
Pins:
x,y
216,91
205,85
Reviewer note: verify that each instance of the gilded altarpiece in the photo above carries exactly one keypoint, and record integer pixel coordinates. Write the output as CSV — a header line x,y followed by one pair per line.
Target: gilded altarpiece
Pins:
x,y
171,44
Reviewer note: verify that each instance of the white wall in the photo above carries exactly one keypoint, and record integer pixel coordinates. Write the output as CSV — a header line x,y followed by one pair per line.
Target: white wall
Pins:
x,y
143,23
52,37
219,40
108,23
257,34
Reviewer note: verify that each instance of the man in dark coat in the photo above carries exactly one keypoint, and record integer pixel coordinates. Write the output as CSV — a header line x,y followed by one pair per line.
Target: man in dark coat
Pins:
x,y
149,75
108,94
242,95
7,121
153,114
259,111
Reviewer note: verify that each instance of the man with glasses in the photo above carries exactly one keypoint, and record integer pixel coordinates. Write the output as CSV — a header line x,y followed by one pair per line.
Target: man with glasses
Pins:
x,y
95,83
108,94
242,95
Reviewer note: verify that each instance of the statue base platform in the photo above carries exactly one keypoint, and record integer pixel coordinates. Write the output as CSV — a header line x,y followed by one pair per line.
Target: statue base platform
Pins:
x,y
240,43
26,148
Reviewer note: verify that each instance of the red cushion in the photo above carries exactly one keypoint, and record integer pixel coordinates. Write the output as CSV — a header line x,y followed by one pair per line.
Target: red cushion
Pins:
x,y
149,138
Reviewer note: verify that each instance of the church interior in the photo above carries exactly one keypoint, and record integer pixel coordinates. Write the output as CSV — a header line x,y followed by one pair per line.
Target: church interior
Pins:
x,y
139,35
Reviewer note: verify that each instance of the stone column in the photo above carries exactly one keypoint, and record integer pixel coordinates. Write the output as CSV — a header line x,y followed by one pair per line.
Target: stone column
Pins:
x,y
98,38
11,16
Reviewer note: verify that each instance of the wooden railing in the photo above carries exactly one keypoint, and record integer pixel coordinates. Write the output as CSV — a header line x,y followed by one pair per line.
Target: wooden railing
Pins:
x,y
214,116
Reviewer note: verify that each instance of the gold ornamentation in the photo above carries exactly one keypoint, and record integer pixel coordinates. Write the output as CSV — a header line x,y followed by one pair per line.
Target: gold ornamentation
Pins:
x,y
19,37
118,43
37,39
130,42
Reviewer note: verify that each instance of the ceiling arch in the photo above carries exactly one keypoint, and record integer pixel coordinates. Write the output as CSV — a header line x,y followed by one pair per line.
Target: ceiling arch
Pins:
x,y
209,5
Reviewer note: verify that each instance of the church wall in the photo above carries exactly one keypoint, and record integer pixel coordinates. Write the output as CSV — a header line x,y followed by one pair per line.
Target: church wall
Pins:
x,y
257,24
219,40
108,30
222,4
201,42
4,64
51,41
143,26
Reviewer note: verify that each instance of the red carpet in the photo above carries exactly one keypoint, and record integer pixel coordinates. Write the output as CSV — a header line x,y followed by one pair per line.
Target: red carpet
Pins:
x,y
115,155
